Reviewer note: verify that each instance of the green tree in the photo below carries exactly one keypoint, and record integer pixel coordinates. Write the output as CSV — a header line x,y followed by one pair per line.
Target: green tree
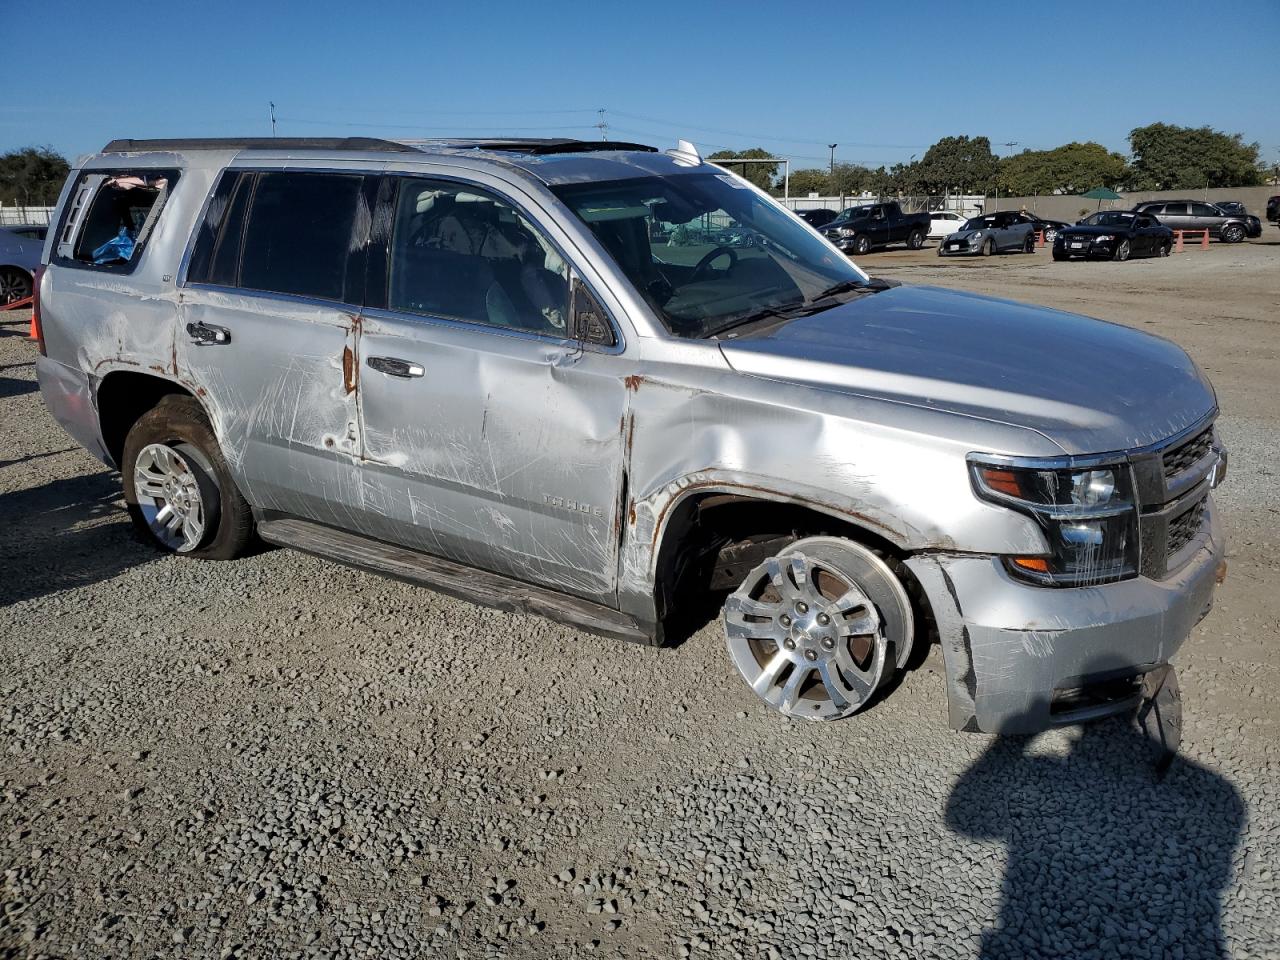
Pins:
x,y
32,176
850,179
1071,168
1168,157
808,181
962,163
761,174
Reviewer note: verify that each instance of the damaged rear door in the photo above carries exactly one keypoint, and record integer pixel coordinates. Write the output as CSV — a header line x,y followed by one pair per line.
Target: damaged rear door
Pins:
x,y
267,334
490,435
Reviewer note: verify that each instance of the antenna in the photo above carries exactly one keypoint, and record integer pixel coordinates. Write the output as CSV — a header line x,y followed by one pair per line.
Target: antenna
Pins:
x,y
273,116
602,125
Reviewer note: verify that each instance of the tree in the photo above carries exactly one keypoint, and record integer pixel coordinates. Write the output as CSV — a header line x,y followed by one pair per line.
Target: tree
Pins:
x,y
32,176
1168,157
761,174
965,164
808,181
1071,168
850,179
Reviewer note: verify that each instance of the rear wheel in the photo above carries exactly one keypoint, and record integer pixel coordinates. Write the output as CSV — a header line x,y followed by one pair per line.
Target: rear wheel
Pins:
x,y
15,285
815,630
915,240
862,246
1123,251
178,489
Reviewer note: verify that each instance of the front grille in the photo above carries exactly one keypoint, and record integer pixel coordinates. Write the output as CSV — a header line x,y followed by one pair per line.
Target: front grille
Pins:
x,y
1183,457
1184,527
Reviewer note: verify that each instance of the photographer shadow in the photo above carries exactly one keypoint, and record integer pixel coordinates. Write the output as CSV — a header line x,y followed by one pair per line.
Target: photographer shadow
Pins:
x,y
1105,856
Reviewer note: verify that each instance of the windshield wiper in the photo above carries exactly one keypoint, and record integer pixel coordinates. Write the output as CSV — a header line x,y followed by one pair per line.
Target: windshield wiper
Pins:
x,y
754,317
870,285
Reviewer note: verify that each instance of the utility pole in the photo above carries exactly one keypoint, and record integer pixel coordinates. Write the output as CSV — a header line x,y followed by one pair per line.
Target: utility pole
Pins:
x,y
832,148
602,125
273,117
1008,145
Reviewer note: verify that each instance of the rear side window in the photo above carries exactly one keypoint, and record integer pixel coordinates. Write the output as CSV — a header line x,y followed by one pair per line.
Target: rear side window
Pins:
x,y
299,234
112,217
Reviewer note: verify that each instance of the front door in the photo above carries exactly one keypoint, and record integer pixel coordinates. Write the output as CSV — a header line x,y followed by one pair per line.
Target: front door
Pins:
x,y
490,436
267,336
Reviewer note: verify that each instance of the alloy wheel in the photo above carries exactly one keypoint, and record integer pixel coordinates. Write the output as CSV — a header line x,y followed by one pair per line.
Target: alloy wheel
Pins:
x,y
14,285
806,637
167,483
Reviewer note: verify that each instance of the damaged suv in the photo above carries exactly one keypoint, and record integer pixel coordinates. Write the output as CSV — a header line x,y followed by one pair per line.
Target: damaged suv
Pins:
x,y
490,368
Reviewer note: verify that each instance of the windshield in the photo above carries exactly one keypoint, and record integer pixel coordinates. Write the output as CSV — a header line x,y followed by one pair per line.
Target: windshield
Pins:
x,y
705,250
980,223
1110,218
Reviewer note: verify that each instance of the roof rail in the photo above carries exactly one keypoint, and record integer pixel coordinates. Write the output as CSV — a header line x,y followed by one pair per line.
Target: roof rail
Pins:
x,y
259,143
532,145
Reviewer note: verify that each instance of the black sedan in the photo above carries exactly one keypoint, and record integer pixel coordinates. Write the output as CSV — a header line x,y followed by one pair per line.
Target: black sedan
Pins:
x,y
817,218
1114,235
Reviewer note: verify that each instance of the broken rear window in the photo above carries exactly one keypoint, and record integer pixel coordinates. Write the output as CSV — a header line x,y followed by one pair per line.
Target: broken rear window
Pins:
x,y
110,229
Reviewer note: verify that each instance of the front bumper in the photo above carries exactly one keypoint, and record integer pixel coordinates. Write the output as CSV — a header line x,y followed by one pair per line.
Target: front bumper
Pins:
x,y
1023,658
959,248
70,398
1083,247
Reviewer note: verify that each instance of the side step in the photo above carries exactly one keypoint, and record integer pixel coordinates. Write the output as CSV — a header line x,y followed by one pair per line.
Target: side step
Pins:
x,y
443,576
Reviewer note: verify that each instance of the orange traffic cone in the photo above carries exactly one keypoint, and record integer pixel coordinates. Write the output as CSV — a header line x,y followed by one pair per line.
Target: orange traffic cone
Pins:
x,y
1204,241
1040,237
1177,248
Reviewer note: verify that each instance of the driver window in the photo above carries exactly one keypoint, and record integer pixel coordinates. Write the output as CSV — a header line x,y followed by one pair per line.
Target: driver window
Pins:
x,y
463,253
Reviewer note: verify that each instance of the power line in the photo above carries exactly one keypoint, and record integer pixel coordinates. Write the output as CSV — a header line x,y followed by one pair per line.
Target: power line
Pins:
x,y
758,136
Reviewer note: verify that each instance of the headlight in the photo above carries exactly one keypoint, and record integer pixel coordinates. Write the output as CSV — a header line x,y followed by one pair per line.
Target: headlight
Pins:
x,y
846,231
1105,238
1088,516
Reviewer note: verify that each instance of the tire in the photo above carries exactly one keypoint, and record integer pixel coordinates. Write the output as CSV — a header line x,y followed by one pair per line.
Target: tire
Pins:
x,y
172,459
1060,256
1029,244
817,629
15,285
988,247
915,240
1051,235
1232,233
1123,252
861,246
1164,249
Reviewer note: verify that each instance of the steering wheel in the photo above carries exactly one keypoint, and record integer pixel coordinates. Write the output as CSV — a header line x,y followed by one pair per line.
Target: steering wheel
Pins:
x,y
705,263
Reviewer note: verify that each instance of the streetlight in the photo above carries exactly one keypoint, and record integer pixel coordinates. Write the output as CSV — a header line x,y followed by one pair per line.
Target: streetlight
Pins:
x,y
832,148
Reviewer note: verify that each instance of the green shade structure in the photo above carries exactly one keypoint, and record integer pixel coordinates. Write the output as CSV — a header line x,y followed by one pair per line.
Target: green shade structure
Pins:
x,y
1100,194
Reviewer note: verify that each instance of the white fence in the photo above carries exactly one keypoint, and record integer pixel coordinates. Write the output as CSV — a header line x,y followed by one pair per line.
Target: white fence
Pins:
x,y
966,205
15,215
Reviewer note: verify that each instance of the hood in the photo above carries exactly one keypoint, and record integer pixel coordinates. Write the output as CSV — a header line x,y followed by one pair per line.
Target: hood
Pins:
x,y
1087,385
966,234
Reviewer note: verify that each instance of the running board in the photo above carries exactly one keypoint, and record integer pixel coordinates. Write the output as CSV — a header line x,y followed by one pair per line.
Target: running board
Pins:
x,y
443,576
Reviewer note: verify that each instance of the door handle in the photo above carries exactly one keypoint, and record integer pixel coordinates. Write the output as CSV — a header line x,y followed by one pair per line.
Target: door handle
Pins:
x,y
395,367
207,335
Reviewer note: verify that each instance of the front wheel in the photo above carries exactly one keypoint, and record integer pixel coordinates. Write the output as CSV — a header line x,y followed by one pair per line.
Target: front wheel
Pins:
x,y
1164,249
988,247
1122,251
862,246
1059,255
816,630
1233,233
915,240
178,489
1029,244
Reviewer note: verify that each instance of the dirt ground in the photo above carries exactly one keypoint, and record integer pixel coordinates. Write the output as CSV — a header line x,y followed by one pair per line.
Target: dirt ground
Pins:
x,y
282,757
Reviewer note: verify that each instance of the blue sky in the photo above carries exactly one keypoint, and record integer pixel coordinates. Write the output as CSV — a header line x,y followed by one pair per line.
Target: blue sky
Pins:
x,y
884,80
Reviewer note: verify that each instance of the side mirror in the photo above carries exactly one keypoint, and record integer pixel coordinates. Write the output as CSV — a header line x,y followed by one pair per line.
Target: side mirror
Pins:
x,y
590,323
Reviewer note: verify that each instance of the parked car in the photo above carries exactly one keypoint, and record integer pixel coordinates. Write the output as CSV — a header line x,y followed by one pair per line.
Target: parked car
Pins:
x,y
1114,235
509,393
991,233
870,226
943,223
817,218
1273,208
1049,228
20,247
1193,215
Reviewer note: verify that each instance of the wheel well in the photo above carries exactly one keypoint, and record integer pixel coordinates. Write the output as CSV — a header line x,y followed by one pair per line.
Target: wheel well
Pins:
x,y
123,397
713,540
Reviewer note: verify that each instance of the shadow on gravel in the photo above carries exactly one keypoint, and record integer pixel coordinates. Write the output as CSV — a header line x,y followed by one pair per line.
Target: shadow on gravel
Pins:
x,y
13,387
1105,859
44,553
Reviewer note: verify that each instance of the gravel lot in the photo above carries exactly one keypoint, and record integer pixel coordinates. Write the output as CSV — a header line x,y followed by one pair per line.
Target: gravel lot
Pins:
x,y
282,757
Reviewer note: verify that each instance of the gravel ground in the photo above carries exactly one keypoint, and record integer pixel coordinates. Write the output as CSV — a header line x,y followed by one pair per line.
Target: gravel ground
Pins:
x,y
282,757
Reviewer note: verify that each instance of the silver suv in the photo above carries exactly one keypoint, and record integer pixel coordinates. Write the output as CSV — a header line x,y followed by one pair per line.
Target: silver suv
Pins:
x,y
531,374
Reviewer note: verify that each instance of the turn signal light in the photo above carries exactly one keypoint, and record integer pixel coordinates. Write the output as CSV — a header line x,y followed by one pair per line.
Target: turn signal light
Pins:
x,y
1034,564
